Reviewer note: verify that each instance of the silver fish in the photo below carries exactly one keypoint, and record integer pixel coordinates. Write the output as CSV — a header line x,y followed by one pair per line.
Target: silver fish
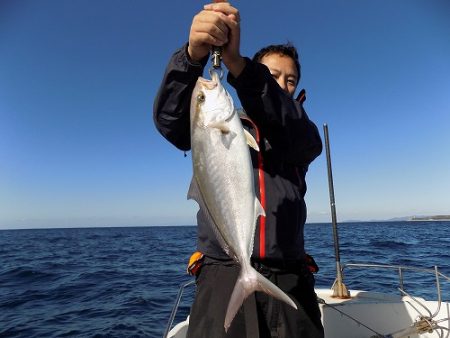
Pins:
x,y
222,185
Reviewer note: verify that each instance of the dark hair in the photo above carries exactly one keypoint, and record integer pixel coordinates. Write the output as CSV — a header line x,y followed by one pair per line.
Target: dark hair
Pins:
x,y
287,49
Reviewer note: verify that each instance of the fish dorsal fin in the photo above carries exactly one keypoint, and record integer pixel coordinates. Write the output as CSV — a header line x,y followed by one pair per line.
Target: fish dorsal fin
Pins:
x,y
251,140
259,210
196,194
194,191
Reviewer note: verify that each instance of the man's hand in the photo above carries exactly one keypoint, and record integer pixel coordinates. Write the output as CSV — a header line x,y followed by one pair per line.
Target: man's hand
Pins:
x,y
209,28
231,55
217,25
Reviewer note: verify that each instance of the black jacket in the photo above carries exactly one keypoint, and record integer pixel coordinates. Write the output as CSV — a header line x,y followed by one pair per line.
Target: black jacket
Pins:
x,y
289,142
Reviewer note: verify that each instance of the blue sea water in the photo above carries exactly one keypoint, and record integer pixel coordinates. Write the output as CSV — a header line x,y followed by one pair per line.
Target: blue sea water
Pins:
x,y
122,282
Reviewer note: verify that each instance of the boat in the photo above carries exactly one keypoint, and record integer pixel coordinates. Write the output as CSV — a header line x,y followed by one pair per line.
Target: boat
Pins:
x,y
372,314
349,313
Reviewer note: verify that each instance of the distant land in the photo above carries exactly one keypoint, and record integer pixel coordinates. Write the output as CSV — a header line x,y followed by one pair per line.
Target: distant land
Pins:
x,y
408,219
430,218
416,218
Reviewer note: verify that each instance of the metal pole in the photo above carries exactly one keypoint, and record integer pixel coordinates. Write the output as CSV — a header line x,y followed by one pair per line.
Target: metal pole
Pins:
x,y
339,289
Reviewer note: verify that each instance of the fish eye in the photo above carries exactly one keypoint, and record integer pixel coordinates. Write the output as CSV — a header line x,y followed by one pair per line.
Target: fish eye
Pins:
x,y
201,97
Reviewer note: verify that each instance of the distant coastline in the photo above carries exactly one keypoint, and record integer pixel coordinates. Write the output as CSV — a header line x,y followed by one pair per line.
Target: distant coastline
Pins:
x,y
433,218
430,218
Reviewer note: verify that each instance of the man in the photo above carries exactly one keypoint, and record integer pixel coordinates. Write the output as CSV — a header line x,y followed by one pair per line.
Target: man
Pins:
x,y
289,142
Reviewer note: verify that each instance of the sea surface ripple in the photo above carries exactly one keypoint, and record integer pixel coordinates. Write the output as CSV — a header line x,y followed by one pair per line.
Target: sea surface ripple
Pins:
x,y
122,282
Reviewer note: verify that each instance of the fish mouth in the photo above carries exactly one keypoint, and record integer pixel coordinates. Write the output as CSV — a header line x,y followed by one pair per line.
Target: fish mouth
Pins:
x,y
208,84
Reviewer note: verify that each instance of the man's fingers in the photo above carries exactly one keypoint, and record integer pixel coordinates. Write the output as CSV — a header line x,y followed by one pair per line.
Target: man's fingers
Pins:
x,y
223,7
214,24
208,39
204,33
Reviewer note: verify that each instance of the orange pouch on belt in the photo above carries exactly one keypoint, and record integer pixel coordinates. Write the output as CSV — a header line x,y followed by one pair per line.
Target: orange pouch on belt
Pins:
x,y
311,264
195,262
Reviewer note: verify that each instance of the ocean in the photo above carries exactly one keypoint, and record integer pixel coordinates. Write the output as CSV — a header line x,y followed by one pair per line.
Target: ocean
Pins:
x,y
122,282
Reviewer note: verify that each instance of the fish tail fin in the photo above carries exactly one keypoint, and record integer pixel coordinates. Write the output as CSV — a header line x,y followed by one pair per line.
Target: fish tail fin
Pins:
x,y
249,281
271,289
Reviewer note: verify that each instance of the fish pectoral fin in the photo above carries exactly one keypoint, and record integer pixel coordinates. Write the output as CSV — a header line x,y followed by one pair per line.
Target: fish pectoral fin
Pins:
x,y
221,125
251,140
228,138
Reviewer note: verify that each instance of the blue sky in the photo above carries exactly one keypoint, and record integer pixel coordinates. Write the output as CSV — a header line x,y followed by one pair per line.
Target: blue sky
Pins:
x,y
78,78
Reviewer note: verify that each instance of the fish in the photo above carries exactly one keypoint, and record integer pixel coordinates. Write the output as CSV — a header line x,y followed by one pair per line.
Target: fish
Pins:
x,y
223,185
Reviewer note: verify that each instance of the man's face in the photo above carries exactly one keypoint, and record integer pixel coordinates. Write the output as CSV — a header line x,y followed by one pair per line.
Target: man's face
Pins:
x,y
283,70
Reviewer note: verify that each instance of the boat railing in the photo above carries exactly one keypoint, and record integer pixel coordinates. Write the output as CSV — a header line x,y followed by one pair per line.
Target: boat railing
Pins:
x,y
176,305
401,269
424,323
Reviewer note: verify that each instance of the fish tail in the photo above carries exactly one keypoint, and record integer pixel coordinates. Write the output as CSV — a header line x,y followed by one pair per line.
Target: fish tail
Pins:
x,y
249,281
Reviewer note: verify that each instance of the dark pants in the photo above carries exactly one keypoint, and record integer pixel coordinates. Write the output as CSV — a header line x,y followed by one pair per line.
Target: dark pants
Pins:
x,y
261,314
